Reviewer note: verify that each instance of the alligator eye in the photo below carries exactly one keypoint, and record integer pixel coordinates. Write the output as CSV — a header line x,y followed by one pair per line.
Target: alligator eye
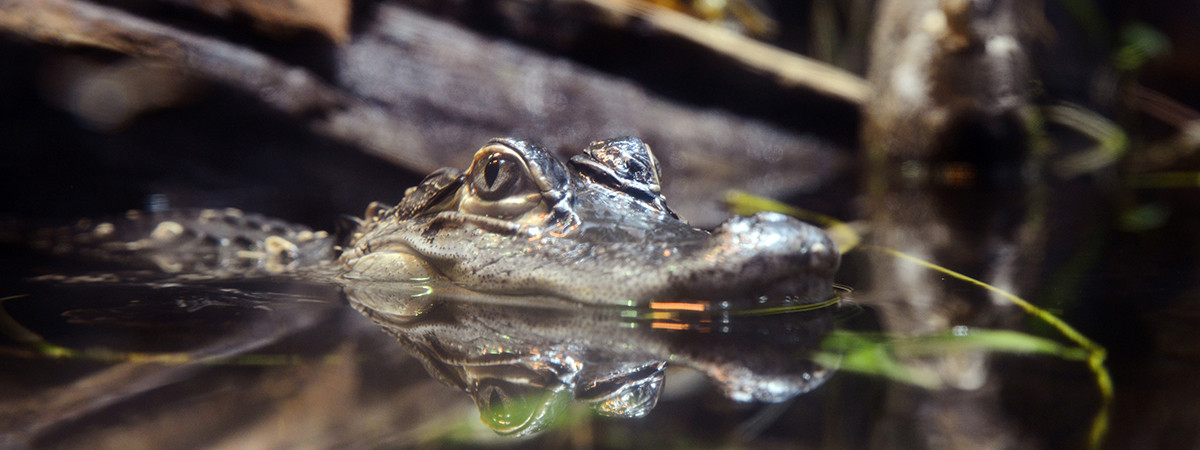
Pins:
x,y
501,185
501,178
491,171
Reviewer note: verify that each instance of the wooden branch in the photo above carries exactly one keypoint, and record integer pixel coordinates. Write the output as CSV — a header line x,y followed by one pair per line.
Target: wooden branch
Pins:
x,y
789,69
284,17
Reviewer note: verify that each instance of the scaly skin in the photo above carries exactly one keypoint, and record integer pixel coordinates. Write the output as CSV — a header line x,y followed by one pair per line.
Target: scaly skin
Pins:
x,y
517,221
596,232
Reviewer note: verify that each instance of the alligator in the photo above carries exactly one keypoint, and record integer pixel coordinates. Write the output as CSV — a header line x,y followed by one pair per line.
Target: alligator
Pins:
x,y
518,221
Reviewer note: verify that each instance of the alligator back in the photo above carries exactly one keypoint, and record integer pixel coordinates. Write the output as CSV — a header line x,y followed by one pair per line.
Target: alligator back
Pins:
x,y
211,242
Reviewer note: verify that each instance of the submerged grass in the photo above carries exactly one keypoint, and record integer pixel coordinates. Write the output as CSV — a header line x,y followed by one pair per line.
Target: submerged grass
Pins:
x,y
1095,353
875,354
881,355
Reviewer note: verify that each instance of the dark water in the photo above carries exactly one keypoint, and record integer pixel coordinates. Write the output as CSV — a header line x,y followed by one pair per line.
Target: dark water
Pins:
x,y
97,352
122,355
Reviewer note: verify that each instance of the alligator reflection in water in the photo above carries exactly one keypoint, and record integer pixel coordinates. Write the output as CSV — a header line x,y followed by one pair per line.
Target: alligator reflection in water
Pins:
x,y
523,359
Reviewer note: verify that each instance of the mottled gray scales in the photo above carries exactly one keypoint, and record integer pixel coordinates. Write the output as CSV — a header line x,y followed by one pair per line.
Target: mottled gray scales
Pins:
x,y
594,230
209,242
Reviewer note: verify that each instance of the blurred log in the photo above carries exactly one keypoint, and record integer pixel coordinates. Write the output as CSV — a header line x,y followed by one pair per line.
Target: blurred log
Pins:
x,y
424,94
945,133
947,72
945,145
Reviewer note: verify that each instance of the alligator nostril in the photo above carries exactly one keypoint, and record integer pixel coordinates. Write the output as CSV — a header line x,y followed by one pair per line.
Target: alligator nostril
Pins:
x,y
818,250
824,256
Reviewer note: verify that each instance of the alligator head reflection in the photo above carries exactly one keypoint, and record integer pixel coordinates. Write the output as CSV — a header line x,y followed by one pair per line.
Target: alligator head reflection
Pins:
x,y
524,359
